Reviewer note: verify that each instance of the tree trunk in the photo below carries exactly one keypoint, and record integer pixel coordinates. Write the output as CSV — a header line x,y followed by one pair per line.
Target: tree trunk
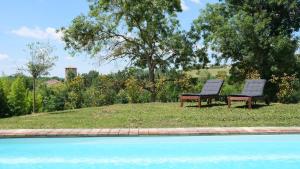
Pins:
x,y
34,98
152,84
151,68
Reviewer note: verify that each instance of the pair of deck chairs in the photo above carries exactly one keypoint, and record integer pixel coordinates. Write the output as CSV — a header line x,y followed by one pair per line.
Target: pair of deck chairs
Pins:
x,y
253,90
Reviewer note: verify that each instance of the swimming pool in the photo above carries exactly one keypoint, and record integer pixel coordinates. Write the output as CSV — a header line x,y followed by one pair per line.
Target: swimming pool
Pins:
x,y
176,152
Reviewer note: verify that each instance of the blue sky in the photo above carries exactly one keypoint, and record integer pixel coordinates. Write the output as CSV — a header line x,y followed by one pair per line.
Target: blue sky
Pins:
x,y
25,21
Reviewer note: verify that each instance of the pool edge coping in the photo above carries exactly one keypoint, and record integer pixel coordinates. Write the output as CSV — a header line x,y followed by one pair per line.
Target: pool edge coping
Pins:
x,y
112,132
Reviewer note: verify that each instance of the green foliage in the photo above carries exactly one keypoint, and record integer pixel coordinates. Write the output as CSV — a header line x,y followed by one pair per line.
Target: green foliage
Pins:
x,y
6,84
41,59
228,89
38,103
253,74
53,97
253,34
17,98
75,93
172,83
90,78
288,88
70,75
4,111
133,90
147,32
122,97
40,63
92,97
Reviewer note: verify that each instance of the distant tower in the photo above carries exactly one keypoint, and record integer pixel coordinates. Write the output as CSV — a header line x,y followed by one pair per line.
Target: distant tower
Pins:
x,y
70,73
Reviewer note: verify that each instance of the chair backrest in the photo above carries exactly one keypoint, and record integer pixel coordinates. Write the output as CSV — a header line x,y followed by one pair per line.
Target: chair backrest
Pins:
x,y
212,87
254,87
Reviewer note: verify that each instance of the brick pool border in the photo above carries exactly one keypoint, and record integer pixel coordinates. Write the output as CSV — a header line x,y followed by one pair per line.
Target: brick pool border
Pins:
x,y
16,133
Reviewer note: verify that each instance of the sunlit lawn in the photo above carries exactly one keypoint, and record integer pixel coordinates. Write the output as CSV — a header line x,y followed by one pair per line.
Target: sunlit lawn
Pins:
x,y
160,115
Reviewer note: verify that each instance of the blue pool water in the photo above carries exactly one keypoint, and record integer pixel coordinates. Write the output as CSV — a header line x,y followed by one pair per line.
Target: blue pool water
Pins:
x,y
175,152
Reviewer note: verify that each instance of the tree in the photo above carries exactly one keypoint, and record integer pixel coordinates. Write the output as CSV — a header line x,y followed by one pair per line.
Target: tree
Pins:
x,y
90,78
40,63
147,32
17,97
252,34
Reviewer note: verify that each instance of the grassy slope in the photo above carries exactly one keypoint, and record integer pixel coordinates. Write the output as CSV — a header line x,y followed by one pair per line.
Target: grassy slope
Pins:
x,y
159,115
204,72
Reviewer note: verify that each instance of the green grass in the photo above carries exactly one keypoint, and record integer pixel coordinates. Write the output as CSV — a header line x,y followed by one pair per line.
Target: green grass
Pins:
x,y
159,115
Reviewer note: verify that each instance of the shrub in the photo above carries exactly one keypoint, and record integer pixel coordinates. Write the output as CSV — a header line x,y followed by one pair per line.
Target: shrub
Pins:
x,y
106,86
145,96
53,98
38,103
122,97
253,74
17,98
92,97
133,89
287,88
4,111
75,97
162,90
228,89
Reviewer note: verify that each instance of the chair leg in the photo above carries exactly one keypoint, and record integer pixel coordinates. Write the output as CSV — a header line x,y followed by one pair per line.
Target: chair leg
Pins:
x,y
181,102
229,102
249,102
199,102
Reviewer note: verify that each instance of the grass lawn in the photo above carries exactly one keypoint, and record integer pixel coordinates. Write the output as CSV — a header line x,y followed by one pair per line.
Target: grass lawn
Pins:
x,y
203,72
159,115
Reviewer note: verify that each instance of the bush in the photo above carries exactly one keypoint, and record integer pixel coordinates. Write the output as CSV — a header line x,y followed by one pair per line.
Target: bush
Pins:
x,y
53,98
228,89
17,98
253,74
122,97
38,103
92,98
145,96
288,88
75,93
133,90
4,110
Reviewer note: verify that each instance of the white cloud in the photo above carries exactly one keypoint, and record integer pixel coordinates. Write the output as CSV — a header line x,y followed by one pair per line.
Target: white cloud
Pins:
x,y
38,33
184,6
3,56
196,1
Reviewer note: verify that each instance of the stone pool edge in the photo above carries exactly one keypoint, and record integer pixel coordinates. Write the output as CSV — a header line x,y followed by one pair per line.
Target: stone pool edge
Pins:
x,y
110,132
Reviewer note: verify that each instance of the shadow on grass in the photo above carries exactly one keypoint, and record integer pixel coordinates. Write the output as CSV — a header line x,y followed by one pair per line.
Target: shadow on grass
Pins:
x,y
62,112
207,105
255,106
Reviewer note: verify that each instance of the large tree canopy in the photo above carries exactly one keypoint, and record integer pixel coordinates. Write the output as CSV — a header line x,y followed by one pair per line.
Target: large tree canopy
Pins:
x,y
147,32
254,35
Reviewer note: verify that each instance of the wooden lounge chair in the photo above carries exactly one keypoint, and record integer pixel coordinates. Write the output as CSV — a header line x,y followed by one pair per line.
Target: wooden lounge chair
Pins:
x,y
210,90
253,90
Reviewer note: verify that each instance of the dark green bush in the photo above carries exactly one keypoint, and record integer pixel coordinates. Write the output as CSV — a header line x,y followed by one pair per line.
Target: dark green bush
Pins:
x,y
122,97
4,110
